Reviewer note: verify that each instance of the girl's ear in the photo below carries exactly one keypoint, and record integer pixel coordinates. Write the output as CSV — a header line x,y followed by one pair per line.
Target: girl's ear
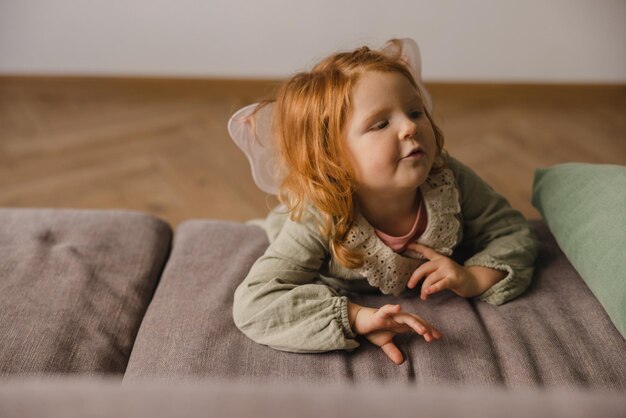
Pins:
x,y
409,53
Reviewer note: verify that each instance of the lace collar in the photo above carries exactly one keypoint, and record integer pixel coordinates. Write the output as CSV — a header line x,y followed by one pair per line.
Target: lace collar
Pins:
x,y
390,271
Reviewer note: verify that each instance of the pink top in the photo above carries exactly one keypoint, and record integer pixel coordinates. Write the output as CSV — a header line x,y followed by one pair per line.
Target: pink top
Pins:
x,y
398,244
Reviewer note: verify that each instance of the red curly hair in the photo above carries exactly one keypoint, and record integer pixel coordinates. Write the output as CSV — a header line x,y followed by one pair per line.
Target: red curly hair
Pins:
x,y
308,118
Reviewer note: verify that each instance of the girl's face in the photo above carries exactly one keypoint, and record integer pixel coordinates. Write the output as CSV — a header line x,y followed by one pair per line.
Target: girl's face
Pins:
x,y
384,128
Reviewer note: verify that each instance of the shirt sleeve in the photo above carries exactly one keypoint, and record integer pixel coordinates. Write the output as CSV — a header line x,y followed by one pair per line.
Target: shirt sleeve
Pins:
x,y
496,235
279,305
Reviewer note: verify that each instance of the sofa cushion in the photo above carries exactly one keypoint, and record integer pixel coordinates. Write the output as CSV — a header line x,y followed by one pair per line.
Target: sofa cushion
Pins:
x,y
74,285
584,206
556,334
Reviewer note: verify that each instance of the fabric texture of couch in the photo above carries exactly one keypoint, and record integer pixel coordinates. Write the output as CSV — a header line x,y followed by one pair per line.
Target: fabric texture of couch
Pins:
x,y
93,293
74,286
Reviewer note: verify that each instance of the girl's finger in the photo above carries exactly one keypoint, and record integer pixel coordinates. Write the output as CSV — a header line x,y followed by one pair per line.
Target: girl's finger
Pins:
x,y
432,280
412,322
420,326
435,332
389,309
427,252
435,287
430,333
421,272
393,353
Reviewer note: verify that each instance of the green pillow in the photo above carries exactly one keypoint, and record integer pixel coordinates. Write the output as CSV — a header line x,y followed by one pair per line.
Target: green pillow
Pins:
x,y
584,206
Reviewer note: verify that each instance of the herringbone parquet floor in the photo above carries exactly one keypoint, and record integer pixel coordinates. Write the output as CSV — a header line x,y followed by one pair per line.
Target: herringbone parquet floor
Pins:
x,y
162,146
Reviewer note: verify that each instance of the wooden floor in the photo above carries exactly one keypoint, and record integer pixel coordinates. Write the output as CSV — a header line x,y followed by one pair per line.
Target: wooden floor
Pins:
x,y
161,146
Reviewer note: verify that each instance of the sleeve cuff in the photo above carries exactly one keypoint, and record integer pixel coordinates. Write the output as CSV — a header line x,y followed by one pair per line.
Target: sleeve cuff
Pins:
x,y
506,289
341,308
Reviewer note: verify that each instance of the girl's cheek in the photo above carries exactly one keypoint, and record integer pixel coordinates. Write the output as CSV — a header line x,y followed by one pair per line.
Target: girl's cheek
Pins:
x,y
378,161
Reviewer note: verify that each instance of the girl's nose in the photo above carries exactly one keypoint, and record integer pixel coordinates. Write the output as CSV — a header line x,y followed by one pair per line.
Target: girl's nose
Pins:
x,y
409,129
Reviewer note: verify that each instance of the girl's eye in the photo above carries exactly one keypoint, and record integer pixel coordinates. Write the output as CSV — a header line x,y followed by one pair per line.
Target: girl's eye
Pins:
x,y
380,125
416,114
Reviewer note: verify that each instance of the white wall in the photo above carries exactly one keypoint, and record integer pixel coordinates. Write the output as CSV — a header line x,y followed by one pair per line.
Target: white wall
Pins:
x,y
479,40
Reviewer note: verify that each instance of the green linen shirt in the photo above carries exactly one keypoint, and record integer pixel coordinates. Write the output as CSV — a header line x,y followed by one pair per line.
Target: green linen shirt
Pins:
x,y
290,298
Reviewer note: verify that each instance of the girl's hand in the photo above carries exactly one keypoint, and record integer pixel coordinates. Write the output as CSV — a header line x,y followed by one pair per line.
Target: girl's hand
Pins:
x,y
379,326
441,273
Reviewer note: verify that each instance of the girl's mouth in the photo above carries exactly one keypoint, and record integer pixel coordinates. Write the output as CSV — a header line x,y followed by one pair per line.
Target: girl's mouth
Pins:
x,y
415,155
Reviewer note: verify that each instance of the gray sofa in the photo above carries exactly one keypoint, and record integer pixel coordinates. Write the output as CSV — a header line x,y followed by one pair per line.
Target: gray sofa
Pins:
x,y
106,310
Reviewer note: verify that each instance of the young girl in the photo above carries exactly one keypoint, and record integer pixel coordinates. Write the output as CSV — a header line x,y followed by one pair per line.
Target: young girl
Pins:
x,y
371,201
